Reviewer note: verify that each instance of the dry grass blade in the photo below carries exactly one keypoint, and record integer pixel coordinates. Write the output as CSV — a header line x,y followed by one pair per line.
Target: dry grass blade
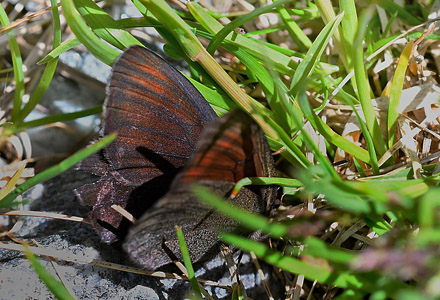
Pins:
x,y
182,268
123,212
344,235
380,50
261,273
299,283
24,20
233,271
410,146
13,181
43,214
15,228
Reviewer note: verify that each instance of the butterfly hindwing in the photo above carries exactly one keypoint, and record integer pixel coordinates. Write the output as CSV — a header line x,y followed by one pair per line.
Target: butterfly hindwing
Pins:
x,y
231,148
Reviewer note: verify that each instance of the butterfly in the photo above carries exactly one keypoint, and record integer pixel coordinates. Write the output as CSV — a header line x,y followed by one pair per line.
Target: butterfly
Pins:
x,y
169,138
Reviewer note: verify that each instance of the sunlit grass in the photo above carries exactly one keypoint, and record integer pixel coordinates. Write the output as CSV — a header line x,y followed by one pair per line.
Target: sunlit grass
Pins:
x,y
382,201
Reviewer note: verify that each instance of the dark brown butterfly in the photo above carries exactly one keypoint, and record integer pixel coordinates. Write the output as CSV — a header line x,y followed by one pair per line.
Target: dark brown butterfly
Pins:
x,y
159,117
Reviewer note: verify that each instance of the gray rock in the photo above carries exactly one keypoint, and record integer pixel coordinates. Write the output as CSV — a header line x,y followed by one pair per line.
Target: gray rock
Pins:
x,y
19,281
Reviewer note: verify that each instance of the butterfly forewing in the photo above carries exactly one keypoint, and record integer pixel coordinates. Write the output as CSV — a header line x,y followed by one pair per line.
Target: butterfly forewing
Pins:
x,y
154,109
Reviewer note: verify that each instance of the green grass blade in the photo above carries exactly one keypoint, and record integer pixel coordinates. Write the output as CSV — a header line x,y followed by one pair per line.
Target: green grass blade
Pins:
x,y
313,55
325,163
56,170
220,102
55,118
359,167
369,141
187,262
296,34
337,196
284,182
267,83
63,47
317,270
395,92
317,248
83,33
228,29
17,64
428,208
379,189
129,23
56,287
363,86
49,71
247,219
327,13
281,62
294,154
392,7
179,29
105,26
390,22
349,25
329,134
377,223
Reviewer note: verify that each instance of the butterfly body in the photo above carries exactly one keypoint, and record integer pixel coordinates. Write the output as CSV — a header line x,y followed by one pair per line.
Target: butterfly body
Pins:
x,y
164,124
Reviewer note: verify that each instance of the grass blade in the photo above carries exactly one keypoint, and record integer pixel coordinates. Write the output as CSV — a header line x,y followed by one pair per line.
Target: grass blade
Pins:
x,y
349,25
249,220
295,32
225,31
105,26
396,91
313,55
364,87
55,118
17,64
325,163
312,270
49,71
281,62
11,183
284,182
318,269
63,47
317,248
329,134
56,170
187,262
83,33
56,287
392,7
327,12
